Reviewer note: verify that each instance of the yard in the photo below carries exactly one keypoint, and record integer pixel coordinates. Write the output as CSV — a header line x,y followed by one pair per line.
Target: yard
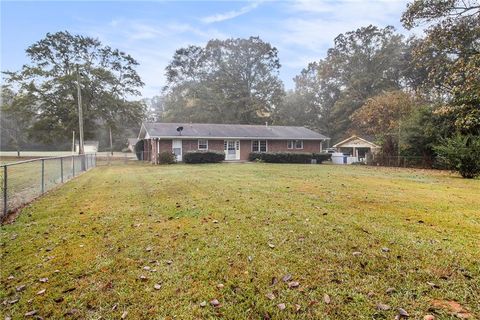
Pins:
x,y
267,241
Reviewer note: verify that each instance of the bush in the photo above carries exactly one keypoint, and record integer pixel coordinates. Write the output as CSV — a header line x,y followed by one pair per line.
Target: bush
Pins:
x,y
461,153
321,157
203,157
281,157
139,149
166,158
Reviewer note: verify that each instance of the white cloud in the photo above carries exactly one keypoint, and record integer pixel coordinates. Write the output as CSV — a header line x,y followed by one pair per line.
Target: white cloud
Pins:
x,y
301,30
230,14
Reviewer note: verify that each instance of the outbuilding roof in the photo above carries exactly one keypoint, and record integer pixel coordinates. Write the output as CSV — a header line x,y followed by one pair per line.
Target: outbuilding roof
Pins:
x,y
355,138
222,131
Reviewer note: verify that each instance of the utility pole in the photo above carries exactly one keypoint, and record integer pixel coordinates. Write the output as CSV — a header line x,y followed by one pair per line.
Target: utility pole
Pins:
x,y
80,115
73,142
111,142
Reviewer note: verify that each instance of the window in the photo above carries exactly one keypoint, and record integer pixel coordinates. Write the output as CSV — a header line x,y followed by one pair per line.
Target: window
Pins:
x,y
202,144
259,145
298,144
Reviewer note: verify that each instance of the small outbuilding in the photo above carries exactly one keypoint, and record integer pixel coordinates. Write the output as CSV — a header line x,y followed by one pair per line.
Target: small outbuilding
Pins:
x,y
89,146
354,149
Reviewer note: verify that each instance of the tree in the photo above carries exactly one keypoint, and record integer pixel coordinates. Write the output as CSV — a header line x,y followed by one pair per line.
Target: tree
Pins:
x,y
362,64
16,117
461,153
450,53
382,115
107,79
227,81
155,108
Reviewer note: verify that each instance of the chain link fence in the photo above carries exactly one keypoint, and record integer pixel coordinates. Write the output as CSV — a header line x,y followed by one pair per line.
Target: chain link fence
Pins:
x,y
23,181
402,162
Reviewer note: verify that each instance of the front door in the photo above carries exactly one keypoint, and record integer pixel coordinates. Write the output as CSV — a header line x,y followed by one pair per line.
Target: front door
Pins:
x,y
232,149
177,149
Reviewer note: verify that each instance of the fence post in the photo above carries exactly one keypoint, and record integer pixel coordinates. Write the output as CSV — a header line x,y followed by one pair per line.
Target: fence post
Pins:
x,y
61,170
43,175
73,166
5,186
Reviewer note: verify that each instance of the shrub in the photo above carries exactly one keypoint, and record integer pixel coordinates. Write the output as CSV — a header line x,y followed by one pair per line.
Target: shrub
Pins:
x,y
461,153
139,149
281,157
203,157
166,157
321,157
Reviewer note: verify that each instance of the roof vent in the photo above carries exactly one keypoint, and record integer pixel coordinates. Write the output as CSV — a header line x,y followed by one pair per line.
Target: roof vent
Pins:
x,y
179,130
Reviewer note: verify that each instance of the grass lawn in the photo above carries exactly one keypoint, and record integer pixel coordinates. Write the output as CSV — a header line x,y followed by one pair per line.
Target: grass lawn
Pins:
x,y
154,242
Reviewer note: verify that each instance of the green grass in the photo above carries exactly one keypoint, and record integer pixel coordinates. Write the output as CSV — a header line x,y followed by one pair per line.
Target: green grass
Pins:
x,y
95,231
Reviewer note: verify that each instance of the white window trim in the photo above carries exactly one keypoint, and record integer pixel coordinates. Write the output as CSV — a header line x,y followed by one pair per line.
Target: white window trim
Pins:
x,y
198,144
266,145
295,144
288,144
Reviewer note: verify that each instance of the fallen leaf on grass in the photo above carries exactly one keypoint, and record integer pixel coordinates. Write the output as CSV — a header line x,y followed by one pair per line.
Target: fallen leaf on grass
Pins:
x,y
43,280
383,307
21,287
157,286
281,306
124,314
287,277
271,245
390,290
215,303
270,296
274,281
41,291
326,298
402,313
31,313
293,284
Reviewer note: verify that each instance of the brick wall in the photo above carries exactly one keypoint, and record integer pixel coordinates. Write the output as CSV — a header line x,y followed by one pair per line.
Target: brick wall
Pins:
x,y
245,146
165,145
281,146
192,145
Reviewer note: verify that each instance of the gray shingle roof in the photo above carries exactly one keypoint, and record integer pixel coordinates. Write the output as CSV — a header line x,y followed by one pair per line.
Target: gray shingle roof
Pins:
x,y
220,131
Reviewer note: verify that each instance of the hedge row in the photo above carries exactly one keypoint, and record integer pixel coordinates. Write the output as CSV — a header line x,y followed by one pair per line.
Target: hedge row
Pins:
x,y
203,157
289,157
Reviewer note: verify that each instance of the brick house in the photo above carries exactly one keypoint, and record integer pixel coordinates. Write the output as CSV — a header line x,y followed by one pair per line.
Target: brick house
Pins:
x,y
237,141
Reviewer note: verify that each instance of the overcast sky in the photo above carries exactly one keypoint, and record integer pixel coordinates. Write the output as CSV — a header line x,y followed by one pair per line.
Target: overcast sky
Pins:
x,y
151,31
